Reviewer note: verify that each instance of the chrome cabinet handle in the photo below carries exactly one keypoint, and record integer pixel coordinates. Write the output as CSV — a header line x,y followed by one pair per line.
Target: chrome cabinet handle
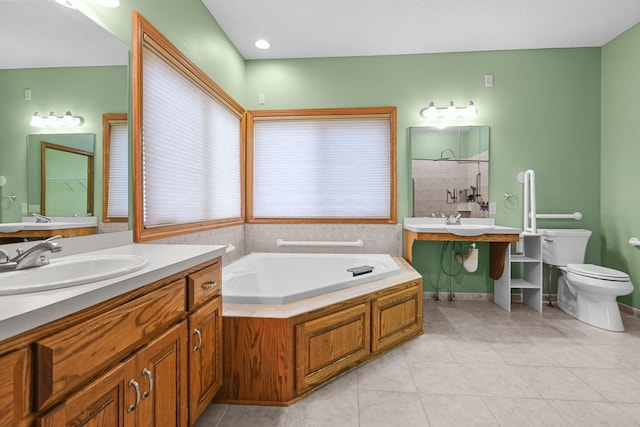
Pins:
x,y
134,383
199,334
149,375
210,285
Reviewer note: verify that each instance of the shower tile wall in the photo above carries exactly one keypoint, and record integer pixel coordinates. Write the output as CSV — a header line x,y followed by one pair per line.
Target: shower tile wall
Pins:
x,y
432,179
385,239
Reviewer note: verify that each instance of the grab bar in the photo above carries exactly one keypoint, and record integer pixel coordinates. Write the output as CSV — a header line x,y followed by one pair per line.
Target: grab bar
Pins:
x,y
634,241
576,215
279,242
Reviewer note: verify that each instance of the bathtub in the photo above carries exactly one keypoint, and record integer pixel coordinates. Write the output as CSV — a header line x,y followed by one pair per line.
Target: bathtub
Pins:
x,y
281,278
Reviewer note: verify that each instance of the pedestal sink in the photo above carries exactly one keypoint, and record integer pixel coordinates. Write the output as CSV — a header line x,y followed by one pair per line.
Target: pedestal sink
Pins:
x,y
69,271
468,229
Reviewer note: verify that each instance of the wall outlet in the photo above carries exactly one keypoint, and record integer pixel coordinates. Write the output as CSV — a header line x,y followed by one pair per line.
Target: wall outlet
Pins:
x,y
24,209
34,208
262,99
27,94
492,208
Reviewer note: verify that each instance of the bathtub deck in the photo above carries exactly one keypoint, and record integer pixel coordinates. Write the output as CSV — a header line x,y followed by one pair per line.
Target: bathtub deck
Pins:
x,y
276,355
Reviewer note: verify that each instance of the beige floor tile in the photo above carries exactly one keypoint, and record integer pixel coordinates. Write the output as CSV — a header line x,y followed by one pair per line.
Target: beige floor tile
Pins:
x,y
588,414
572,355
613,384
212,416
497,380
439,377
250,416
523,412
473,351
523,354
558,383
387,373
463,411
387,409
329,406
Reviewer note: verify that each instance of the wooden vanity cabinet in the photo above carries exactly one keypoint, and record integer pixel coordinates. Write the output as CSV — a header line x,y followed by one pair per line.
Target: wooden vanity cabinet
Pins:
x,y
130,361
15,387
205,337
147,389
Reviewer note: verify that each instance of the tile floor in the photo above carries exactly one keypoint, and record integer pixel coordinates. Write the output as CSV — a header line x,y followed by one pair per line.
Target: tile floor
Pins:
x,y
476,365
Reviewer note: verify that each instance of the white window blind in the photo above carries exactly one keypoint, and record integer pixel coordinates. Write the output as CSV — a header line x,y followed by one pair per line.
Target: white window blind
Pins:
x,y
322,168
191,150
118,196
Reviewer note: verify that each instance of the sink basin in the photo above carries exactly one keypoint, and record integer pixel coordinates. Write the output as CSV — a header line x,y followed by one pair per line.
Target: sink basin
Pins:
x,y
69,271
468,229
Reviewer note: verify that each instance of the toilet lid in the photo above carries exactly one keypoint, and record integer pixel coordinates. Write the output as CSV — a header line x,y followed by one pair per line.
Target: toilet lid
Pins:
x,y
597,272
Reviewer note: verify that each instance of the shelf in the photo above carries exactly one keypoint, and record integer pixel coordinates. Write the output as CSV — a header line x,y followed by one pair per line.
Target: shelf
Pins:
x,y
523,258
522,284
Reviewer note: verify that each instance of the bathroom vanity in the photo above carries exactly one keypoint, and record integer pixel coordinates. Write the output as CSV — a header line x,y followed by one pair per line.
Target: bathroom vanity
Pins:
x,y
140,349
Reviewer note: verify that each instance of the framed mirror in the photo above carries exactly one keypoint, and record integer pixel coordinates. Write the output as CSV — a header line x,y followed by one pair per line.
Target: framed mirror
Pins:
x,y
66,180
58,60
450,171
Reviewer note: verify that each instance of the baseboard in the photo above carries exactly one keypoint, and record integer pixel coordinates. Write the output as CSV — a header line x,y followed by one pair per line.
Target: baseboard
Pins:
x,y
627,309
470,296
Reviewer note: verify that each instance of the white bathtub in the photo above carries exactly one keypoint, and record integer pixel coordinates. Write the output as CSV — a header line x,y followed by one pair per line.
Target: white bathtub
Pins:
x,y
281,278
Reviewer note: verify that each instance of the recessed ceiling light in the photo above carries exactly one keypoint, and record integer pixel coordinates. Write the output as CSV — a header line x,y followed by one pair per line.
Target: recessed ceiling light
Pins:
x,y
263,44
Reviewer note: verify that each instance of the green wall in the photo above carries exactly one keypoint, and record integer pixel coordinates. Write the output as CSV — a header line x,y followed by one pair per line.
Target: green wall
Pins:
x,y
621,156
86,91
544,114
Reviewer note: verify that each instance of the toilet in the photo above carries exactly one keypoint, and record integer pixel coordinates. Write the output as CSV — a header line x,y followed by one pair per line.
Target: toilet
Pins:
x,y
585,291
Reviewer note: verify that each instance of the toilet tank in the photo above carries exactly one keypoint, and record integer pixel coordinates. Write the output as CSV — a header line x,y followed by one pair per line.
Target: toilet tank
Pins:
x,y
564,246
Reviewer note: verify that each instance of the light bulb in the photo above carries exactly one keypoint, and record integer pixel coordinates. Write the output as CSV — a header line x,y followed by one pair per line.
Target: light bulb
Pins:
x,y
431,112
67,120
471,110
51,120
36,120
452,113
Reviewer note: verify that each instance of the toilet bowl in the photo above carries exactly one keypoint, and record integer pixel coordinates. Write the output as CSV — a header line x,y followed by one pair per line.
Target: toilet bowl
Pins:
x,y
585,291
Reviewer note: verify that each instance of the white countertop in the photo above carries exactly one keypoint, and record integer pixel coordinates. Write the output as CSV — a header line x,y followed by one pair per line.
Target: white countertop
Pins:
x,y
20,313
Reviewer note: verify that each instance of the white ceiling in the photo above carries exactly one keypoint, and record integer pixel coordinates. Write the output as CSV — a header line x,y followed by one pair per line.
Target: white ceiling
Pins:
x,y
42,33
332,28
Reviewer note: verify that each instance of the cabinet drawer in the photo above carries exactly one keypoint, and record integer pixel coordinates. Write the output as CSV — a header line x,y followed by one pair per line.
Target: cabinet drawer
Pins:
x,y
15,387
331,344
205,284
396,316
62,359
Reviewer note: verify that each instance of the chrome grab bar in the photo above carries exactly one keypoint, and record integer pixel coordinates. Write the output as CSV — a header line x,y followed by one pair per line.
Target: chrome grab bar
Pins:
x,y
280,242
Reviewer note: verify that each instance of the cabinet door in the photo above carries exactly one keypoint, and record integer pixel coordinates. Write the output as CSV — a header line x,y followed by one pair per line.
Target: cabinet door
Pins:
x,y
110,400
205,356
15,387
331,344
162,375
395,317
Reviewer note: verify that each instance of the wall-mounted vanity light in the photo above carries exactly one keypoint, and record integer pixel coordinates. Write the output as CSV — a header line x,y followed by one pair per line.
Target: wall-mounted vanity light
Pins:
x,y
451,112
68,120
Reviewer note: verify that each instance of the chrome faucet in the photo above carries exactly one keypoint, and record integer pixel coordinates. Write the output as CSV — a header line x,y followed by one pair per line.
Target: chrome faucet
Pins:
x,y
41,218
35,256
454,220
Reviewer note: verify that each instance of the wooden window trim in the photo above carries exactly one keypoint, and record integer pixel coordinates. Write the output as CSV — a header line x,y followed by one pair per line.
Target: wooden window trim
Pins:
x,y
327,113
147,36
107,121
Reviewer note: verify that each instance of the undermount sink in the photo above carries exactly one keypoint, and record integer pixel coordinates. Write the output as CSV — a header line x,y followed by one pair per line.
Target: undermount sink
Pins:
x,y
468,229
69,271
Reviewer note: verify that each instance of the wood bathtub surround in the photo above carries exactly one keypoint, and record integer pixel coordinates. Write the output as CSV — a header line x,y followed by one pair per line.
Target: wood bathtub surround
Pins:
x,y
86,368
275,355
498,245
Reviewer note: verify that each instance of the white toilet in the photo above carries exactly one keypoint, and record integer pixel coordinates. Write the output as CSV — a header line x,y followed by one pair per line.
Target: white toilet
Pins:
x,y
585,291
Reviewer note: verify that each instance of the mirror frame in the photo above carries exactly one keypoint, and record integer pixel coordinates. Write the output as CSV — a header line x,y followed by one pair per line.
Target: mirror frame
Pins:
x,y
43,173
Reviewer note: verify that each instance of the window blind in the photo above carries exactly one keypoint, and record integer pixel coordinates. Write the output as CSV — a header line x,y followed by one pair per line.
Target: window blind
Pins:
x,y
118,195
190,147
322,168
